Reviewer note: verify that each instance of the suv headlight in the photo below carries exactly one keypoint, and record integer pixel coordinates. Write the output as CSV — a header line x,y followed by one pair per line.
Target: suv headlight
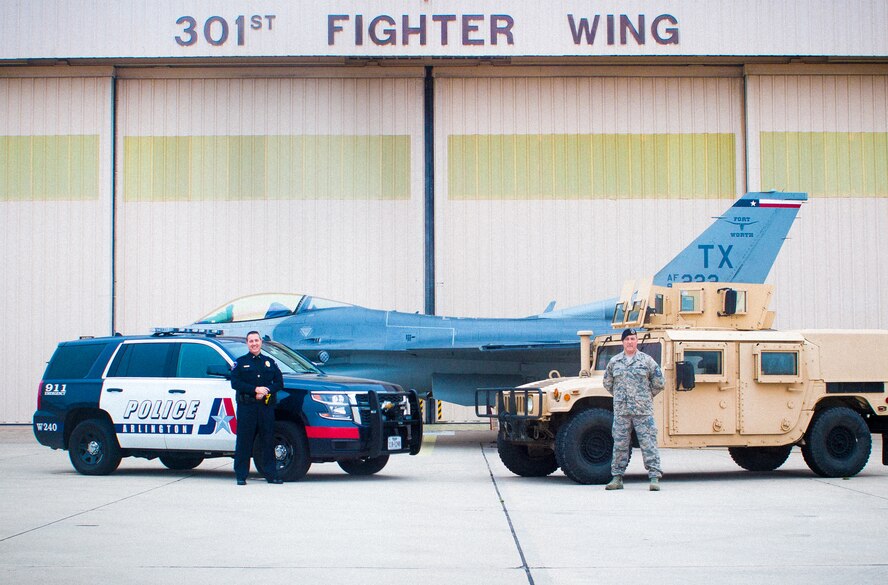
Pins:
x,y
337,405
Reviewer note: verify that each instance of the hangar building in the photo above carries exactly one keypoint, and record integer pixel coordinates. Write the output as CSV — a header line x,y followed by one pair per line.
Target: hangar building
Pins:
x,y
468,157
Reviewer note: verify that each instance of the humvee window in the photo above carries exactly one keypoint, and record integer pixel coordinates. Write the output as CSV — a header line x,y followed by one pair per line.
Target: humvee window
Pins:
x,y
740,308
619,315
780,363
705,361
691,301
634,312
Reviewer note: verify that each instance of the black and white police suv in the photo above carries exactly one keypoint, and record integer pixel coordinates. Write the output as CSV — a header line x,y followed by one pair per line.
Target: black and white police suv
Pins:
x,y
168,396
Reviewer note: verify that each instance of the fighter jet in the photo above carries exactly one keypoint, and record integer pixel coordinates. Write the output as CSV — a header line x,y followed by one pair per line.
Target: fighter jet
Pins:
x,y
453,356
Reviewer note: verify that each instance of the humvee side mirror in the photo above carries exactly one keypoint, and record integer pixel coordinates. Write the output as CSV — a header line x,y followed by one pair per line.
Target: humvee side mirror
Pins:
x,y
219,371
684,376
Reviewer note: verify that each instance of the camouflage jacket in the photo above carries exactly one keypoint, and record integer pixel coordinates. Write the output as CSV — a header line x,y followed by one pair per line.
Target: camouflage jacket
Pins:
x,y
633,384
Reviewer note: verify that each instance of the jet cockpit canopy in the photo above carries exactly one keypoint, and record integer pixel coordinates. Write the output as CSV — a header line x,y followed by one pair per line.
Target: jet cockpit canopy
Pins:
x,y
266,306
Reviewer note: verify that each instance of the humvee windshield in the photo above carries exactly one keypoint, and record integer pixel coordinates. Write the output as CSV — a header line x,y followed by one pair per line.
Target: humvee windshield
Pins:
x,y
606,352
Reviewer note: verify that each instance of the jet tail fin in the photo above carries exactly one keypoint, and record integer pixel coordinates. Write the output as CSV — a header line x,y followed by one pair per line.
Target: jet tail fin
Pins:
x,y
741,245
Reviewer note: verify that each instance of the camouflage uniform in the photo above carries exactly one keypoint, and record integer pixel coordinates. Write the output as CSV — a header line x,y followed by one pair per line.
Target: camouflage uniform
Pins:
x,y
633,383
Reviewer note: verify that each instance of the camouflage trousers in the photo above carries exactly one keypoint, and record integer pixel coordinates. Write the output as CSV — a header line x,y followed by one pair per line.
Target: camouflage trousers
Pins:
x,y
646,430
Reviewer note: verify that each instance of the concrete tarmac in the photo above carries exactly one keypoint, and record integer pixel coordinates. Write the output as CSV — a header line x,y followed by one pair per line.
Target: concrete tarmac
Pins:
x,y
451,515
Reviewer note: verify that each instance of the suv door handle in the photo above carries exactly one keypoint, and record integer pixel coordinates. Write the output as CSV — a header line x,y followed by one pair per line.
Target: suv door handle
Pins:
x,y
176,391
114,390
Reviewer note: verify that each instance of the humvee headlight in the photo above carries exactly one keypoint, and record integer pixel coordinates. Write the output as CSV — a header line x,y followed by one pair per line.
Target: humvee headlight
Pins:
x,y
337,405
530,406
556,394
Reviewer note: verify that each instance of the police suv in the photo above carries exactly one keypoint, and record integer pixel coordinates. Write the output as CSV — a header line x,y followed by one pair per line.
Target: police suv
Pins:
x,y
168,396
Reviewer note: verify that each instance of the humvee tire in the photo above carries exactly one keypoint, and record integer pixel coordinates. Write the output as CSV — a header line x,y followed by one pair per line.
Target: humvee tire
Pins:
x,y
584,446
519,460
760,458
837,443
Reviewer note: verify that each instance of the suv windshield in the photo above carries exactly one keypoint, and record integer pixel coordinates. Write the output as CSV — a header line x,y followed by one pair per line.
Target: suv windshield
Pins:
x,y
288,360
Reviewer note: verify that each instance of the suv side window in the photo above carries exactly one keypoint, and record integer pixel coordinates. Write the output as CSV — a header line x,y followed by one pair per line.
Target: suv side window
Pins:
x,y
73,361
194,358
142,360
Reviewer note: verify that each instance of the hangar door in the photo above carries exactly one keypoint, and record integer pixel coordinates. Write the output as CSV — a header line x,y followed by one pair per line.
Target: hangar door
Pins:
x,y
270,180
560,183
55,219
824,130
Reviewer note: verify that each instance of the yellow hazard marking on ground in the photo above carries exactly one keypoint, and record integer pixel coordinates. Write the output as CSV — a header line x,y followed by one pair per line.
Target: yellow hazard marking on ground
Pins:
x,y
428,444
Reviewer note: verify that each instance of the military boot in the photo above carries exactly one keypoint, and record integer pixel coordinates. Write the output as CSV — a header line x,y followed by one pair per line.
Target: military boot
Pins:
x,y
655,484
615,484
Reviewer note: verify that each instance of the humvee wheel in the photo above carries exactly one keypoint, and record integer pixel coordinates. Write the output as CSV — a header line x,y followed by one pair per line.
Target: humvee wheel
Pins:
x,y
584,446
760,458
521,461
837,443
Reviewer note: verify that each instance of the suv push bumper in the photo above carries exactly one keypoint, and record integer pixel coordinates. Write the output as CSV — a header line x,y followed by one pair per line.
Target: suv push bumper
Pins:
x,y
384,423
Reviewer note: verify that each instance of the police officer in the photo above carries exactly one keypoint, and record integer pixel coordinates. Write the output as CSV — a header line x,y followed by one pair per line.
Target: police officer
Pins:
x,y
256,379
634,378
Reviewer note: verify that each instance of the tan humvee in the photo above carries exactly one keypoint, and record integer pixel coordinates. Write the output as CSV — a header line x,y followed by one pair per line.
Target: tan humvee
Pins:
x,y
731,382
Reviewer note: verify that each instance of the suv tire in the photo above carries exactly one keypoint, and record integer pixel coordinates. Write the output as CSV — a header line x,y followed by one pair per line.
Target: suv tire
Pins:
x,y
838,443
760,458
519,460
584,446
181,462
93,447
363,466
290,451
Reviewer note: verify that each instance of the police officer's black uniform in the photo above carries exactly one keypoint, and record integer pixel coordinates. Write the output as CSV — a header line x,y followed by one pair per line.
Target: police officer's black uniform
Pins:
x,y
254,415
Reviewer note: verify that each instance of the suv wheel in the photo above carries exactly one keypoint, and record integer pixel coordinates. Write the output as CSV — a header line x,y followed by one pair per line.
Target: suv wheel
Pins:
x,y
837,443
290,451
363,466
93,448
519,460
760,458
584,446
181,462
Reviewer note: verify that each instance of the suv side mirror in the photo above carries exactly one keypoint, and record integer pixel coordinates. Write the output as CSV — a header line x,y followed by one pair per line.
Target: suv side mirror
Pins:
x,y
684,376
216,370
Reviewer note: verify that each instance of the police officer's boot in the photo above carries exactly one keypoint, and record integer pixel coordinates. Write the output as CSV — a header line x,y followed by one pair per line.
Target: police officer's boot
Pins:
x,y
615,484
655,484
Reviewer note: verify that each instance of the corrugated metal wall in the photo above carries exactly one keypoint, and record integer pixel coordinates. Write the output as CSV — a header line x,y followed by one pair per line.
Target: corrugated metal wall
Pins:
x,y
310,182
824,130
560,183
551,183
55,221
